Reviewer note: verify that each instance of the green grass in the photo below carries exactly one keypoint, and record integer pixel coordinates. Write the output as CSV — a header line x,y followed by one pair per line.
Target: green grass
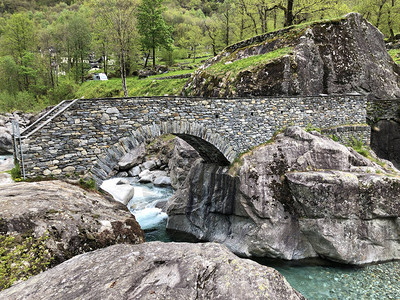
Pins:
x,y
136,87
359,147
173,73
251,62
395,54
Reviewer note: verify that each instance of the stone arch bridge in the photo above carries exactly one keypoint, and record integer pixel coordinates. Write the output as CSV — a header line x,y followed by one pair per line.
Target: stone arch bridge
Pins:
x,y
90,135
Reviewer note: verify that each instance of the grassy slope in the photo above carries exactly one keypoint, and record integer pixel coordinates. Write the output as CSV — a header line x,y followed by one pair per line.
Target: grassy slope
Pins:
x,y
136,87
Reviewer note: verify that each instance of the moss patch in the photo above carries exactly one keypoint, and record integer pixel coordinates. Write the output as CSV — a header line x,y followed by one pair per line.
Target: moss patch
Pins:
x,y
233,68
21,258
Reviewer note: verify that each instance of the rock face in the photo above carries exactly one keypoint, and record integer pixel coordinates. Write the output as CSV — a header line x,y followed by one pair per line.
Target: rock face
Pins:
x,y
75,220
182,159
6,129
301,196
385,140
334,57
164,162
156,271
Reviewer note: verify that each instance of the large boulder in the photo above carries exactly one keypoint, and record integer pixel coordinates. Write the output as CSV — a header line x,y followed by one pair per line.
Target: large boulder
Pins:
x,y
120,189
156,271
330,57
23,119
385,140
75,220
132,158
301,196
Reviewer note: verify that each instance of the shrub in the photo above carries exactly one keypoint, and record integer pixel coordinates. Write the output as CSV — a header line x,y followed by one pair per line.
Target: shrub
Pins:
x,y
89,184
16,173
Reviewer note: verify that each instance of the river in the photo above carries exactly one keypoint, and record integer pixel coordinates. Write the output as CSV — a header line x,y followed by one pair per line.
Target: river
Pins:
x,y
314,281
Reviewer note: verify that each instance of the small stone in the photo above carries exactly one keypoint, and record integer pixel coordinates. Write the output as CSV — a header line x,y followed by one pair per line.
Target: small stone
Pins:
x,y
69,169
112,110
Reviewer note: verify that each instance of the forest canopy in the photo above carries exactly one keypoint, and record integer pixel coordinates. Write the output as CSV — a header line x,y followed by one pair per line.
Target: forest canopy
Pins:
x,y
49,47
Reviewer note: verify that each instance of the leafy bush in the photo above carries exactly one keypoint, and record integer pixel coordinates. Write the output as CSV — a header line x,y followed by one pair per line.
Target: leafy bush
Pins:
x,y
21,259
310,127
359,147
16,173
88,184
65,90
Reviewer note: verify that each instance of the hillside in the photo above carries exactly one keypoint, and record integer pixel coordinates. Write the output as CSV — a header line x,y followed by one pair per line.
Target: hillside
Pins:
x,y
339,56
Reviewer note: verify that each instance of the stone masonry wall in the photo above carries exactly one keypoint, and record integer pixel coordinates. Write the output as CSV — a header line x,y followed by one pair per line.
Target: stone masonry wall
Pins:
x,y
383,110
74,140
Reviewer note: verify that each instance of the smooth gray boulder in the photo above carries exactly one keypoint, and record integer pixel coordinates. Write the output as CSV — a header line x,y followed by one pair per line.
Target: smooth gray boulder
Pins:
x,y
135,171
149,165
121,189
5,141
301,196
145,176
76,220
132,158
157,271
162,181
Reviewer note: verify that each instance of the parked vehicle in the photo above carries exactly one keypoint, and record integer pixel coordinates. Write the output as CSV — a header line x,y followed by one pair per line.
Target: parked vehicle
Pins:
x,y
99,76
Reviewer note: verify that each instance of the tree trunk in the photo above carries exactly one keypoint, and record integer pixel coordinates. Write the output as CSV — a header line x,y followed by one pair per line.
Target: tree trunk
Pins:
x,y
82,69
390,23
146,60
289,13
154,57
227,28
123,72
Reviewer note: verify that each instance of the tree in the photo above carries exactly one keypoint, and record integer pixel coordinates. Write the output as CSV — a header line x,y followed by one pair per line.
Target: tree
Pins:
x,y
79,38
18,41
118,17
152,27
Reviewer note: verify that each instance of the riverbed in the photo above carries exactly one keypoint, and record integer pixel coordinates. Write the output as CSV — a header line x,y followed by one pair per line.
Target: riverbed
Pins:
x,y
313,281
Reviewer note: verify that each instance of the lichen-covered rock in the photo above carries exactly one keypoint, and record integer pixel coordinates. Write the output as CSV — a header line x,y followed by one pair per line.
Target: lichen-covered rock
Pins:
x,y
75,220
333,57
301,196
156,271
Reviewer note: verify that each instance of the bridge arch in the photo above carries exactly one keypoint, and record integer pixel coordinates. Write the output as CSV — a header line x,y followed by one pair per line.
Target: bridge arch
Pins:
x,y
211,146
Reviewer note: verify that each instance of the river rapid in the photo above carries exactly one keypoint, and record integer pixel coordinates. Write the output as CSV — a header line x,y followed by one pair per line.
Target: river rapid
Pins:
x,y
314,281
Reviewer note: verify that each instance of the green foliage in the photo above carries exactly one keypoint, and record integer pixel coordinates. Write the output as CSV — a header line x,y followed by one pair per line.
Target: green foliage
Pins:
x,y
88,184
22,101
16,172
359,147
395,54
21,258
152,27
310,127
65,89
334,137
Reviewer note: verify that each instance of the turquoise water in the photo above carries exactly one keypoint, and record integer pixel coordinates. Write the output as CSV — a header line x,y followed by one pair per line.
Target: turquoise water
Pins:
x,y
338,282
313,281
